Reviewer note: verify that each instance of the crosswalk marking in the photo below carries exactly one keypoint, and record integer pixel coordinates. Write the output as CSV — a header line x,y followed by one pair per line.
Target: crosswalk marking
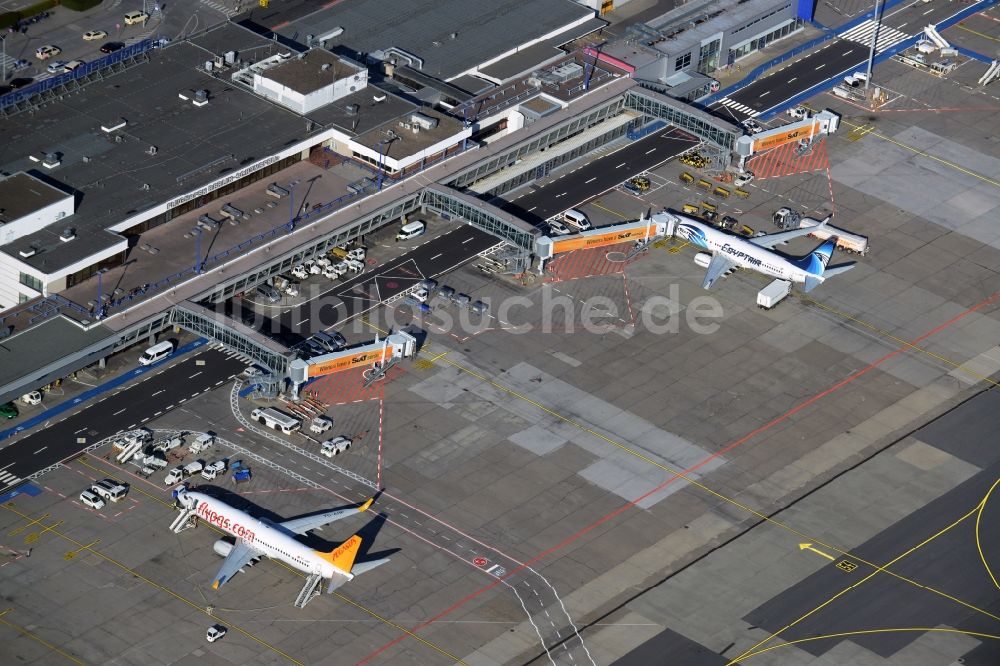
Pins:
x,y
862,34
222,8
742,108
8,479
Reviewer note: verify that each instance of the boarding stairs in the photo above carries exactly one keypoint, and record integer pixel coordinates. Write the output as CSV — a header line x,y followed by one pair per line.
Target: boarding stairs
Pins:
x,y
309,590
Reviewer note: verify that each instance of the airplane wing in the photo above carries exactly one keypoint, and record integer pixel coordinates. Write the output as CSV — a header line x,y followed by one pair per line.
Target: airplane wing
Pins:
x,y
240,556
780,238
307,523
717,268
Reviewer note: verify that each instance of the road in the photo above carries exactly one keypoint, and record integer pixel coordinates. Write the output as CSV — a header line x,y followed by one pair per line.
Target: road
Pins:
x,y
341,301
576,187
157,393
842,55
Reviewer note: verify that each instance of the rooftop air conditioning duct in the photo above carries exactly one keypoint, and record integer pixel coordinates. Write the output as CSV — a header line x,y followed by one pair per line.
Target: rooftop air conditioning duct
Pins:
x,y
28,252
200,97
68,234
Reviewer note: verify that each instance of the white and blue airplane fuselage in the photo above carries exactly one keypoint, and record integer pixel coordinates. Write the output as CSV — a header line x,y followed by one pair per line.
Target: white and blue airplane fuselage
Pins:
x,y
726,252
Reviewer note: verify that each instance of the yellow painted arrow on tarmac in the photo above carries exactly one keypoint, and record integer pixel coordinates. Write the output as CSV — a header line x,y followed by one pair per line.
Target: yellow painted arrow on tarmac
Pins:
x,y
809,546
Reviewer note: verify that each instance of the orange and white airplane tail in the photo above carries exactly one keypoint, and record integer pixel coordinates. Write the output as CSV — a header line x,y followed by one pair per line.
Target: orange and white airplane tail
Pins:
x,y
342,558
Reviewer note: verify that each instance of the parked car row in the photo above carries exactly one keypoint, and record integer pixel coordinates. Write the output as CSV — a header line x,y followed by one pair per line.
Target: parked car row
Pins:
x,y
429,287
103,491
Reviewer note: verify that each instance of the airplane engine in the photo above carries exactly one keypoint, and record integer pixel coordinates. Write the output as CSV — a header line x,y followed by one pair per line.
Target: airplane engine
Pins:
x,y
703,259
222,547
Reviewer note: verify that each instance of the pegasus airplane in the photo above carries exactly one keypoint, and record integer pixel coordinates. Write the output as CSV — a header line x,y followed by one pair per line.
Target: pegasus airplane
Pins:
x,y
727,252
257,537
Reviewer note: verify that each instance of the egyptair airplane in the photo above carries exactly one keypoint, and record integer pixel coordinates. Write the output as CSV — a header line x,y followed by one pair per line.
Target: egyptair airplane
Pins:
x,y
259,537
727,252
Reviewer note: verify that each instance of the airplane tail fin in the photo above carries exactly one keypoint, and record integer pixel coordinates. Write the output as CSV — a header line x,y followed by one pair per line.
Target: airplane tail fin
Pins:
x,y
342,557
837,270
815,262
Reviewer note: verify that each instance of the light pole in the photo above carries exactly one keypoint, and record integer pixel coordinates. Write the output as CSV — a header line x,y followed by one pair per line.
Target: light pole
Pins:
x,y
3,63
871,50
197,250
291,206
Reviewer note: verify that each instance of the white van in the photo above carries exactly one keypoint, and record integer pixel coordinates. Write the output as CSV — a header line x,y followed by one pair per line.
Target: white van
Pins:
x,y
156,353
575,218
276,420
411,230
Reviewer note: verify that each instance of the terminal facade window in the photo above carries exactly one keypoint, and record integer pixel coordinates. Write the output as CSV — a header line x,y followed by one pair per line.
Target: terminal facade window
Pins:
x,y
31,282
757,44
709,58
682,62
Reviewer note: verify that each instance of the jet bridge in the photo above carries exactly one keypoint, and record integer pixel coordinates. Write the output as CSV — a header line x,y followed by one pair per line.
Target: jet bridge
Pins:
x,y
642,232
807,130
381,355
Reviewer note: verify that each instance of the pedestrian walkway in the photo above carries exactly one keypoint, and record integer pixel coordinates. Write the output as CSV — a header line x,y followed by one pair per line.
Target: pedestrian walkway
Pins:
x,y
862,34
742,108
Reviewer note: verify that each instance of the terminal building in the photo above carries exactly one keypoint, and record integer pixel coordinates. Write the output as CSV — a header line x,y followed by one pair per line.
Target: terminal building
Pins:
x,y
144,188
681,49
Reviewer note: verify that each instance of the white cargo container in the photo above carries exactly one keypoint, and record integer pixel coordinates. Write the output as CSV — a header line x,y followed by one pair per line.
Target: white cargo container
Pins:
x,y
773,294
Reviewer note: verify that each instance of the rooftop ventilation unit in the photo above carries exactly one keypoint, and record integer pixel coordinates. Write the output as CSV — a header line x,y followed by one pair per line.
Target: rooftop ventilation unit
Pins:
x,y
28,252
219,62
230,57
378,98
352,109
424,121
336,32
68,234
151,151
200,98
325,66
108,128
52,160
209,65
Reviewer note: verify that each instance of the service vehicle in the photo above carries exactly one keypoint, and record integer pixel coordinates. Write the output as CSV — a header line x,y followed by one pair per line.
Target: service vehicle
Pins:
x,y
281,283
90,499
638,185
213,470
131,18
411,230
445,292
193,468
276,419
463,300
154,461
268,293
429,284
742,179
300,272
576,219
157,352
168,443
32,398
110,490
335,446
333,341
19,64
358,254
773,294
215,632
420,295
557,228
320,424
47,51
798,112
202,442
174,476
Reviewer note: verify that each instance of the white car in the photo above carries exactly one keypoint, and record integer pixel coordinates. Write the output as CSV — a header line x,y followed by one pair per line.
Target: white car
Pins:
x,y
92,500
421,295
174,476
33,398
752,126
214,469
743,178
56,67
557,228
335,446
132,18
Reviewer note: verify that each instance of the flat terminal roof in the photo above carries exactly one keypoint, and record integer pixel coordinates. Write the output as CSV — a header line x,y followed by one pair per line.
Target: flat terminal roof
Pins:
x,y
539,54
32,348
409,142
194,145
424,28
23,194
370,113
306,74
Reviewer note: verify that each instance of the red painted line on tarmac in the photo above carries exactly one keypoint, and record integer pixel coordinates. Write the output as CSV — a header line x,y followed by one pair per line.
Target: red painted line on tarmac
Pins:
x,y
742,440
